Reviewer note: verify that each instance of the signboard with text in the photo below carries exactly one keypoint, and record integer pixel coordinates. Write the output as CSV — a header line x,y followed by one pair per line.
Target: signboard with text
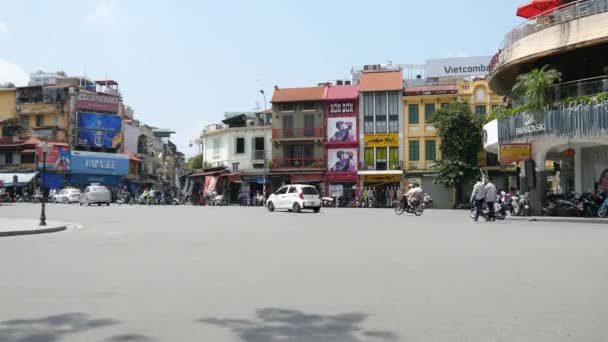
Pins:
x,y
513,153
462,66
100,163
98,102
382,140
96,121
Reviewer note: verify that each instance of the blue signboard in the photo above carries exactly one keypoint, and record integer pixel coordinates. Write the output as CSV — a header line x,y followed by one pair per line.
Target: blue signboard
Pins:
x,y
85,179
101,122
99,163
99,139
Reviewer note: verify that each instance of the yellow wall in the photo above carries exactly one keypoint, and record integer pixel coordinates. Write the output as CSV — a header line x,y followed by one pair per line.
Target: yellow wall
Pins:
x,y
422,131
7,104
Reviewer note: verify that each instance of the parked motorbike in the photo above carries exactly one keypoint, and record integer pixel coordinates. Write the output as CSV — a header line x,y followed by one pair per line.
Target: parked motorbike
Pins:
x,y
403,206
563,205
427,202
521,204
603,209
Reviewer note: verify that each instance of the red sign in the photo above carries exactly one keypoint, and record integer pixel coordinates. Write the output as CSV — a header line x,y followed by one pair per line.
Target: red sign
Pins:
x,y
57,159
98,102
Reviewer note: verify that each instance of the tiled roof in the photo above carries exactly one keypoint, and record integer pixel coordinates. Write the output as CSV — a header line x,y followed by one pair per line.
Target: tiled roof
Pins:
x,y
342,92
381,81
433,89
298,94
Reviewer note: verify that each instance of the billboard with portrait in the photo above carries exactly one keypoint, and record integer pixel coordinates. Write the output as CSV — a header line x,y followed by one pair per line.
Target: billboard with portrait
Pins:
x,y
103,139
342,129
96,121
343,160
57,159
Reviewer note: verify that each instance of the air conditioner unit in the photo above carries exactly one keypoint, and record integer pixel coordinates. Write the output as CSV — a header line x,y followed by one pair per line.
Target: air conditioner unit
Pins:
x,y
250,123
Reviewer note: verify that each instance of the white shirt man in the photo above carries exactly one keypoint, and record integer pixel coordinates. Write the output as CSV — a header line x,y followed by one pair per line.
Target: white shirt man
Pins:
x,y
414,194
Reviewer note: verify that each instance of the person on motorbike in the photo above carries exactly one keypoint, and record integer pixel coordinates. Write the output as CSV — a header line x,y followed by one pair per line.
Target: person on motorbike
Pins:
x,y
491,197
413,195
478,196
146,196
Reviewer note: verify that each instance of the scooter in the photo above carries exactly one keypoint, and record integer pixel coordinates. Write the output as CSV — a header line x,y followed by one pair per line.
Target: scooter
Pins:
x,y
499,212
427,202
403,206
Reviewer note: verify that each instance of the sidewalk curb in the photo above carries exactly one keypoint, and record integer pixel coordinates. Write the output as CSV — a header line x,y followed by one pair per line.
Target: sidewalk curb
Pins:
x,y
33,231
559,220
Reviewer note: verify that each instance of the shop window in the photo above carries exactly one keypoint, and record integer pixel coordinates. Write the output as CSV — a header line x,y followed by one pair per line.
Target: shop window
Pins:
x,y
414,151
431,150
369,158
480,110
8,158
429,112
39,120
381,158
393,158
240,145
413,117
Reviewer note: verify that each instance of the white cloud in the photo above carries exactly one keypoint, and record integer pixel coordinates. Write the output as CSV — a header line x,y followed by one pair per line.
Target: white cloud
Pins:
x,y
3,27
12,72
102,12
455,54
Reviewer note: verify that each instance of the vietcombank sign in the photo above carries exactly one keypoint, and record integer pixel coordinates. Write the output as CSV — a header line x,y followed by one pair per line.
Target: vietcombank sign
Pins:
x,y
466,66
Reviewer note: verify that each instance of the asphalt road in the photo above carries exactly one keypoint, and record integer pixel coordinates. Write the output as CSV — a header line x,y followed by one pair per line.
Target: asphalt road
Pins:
x,y
345,275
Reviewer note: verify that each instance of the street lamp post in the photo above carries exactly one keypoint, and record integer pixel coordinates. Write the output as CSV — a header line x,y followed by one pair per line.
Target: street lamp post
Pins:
x,y
44,148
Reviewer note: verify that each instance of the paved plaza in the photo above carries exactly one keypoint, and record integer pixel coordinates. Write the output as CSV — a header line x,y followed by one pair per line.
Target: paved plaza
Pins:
x,y
243,274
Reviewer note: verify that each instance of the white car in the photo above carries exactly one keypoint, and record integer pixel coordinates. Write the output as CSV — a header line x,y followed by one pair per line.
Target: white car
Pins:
x,y
67,196
96,194
295,197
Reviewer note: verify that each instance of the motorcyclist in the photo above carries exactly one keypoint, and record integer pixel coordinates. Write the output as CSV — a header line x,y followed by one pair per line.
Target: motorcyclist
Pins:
x,y
478,196
414,195
146,195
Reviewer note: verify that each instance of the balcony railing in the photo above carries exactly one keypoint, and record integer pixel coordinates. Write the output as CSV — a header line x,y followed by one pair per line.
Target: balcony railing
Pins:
x,y
562,14
295,133
297,163
585,87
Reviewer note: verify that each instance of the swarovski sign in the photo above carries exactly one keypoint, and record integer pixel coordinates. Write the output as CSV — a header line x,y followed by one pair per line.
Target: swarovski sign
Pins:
x,y
529,127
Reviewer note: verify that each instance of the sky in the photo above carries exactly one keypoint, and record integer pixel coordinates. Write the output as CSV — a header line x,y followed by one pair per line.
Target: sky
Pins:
x,y
181,64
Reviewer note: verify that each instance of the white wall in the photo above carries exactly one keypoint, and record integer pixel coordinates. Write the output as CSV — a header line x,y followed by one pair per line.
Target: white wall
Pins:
x,y
131,133
227,154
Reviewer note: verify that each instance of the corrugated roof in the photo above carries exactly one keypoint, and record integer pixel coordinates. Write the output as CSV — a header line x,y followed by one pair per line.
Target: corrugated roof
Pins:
x,y
417,90
299,94
342,92
380,81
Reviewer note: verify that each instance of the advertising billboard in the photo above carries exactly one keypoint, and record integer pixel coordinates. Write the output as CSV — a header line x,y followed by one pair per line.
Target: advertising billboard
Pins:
x,y
512,153
343,160
382,140
96,121
463,66
100,163
103,139
57,159
98,102
342,129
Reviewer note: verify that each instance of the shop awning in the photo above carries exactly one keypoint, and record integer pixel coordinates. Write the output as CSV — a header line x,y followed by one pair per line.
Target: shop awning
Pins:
x,y
233,177
385,172
536,7
208,173
7,179
29,150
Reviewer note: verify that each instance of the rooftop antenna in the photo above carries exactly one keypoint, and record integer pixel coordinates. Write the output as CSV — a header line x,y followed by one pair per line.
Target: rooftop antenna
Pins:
x,y
257,102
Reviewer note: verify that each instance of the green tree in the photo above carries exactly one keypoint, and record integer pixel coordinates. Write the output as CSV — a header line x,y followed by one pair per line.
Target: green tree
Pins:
x,y
461,134
535,85
195,162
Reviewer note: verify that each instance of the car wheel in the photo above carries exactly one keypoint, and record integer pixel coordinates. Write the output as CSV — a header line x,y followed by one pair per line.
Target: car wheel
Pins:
x,y
108,204
317,210
270,206
296,208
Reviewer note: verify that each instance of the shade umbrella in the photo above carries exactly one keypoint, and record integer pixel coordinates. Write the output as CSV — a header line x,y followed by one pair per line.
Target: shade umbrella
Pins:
x,y
536,7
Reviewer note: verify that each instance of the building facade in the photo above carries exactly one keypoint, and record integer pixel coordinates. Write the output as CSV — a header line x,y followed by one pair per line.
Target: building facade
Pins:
x,y
342,142
298,121
381,135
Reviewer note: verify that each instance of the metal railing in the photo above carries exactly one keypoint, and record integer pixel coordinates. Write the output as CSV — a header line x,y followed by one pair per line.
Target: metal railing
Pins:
x,y
291,133
297,163
555,16
584,87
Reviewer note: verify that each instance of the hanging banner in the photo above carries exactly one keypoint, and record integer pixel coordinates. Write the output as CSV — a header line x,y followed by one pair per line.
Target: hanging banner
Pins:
x,y
342,160
104,139
342,129
102,122
513,153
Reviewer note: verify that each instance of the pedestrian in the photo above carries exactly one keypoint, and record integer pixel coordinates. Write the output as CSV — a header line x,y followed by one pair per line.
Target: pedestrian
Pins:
x,y
477,197
491,197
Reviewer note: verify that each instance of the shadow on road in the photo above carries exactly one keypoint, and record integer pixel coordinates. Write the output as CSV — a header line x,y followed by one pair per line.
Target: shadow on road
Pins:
x,y
129,338
271,324
51,328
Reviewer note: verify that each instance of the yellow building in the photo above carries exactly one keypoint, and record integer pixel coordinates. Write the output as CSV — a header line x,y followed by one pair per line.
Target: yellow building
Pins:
x,y
421,141
7,108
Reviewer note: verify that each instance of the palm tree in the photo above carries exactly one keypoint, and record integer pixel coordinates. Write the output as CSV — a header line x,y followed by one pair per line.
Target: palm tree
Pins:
x,y
535,85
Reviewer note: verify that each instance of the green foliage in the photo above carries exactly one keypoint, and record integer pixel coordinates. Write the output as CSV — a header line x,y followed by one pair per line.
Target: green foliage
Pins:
x,y
460,131
535,85
195,162
503,113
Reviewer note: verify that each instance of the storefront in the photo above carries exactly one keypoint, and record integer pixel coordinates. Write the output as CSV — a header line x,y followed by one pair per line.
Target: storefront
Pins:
x,y
107,169
381,189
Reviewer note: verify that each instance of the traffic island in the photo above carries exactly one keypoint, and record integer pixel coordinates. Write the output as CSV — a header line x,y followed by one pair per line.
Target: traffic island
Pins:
x,y
13,227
